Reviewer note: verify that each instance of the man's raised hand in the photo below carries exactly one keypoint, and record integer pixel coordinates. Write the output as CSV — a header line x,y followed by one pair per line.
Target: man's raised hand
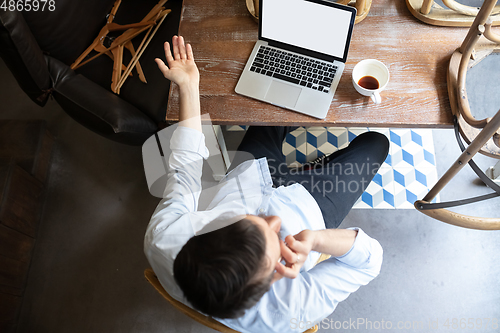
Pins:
x,y
180,67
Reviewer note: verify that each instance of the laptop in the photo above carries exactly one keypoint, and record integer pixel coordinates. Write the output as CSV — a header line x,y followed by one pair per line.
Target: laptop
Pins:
x,y
300,55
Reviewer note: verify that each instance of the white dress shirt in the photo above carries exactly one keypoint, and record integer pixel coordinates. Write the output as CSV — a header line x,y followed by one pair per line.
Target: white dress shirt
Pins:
x,y
291,304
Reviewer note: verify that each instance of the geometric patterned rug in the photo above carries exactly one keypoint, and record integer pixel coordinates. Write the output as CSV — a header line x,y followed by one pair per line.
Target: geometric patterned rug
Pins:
x,y
408,173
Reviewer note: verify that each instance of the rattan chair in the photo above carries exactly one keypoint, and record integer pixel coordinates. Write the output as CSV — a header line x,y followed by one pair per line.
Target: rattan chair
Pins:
x,y
481,135
454,14
202,319
362,7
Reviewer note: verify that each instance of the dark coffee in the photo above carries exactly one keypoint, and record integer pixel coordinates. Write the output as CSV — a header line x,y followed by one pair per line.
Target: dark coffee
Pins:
x,y
368,82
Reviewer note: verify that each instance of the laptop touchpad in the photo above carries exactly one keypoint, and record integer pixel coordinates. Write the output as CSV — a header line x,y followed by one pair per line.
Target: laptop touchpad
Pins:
x,y
283,94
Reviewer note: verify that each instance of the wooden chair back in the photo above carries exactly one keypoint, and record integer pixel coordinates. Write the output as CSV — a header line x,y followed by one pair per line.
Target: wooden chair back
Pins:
x,y
202,319
453,14
362,7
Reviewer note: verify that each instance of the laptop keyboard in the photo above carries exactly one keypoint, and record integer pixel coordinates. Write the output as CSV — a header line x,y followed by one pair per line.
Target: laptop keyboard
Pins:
x,y
293,68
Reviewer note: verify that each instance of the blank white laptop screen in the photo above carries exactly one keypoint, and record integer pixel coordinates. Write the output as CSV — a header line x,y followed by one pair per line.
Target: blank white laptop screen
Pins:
x,y
306,24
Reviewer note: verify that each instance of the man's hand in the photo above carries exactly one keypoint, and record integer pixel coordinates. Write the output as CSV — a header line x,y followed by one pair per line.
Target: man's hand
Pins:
x,y
335,242
181,68
295,253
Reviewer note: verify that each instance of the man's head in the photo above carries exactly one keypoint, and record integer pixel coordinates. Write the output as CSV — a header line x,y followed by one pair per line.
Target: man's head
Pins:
x,y
224,272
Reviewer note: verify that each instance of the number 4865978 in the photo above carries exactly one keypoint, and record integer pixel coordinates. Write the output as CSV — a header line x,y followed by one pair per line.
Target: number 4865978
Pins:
x,y
28,5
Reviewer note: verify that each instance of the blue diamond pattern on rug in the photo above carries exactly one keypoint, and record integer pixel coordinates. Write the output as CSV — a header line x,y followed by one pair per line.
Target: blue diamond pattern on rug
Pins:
x,y
406,175
295,147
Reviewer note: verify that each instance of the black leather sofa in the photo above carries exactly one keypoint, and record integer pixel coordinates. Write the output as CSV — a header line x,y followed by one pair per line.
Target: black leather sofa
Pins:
x,y
38,47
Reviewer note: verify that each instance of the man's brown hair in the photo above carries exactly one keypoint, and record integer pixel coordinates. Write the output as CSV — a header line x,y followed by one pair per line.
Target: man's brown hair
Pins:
x,y
220,271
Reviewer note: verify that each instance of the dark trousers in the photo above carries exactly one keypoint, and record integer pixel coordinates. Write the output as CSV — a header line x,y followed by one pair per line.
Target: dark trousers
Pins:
x,y
337,185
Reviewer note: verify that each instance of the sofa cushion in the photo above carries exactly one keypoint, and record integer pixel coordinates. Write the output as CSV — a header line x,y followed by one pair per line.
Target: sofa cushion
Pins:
x,y
97,109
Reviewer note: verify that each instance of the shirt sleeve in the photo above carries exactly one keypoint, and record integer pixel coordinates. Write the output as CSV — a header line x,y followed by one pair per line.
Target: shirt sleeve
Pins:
x,y
170,226
333,280
185,166
293,305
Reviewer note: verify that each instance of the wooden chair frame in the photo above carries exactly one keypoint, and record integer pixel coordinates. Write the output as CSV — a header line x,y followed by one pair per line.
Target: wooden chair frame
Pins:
x,y
193,314
435,211
202,319
362,7
455,15
482,135
468,50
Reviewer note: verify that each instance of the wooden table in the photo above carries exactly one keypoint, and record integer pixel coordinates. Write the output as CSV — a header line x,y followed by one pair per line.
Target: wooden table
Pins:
x,y
223,34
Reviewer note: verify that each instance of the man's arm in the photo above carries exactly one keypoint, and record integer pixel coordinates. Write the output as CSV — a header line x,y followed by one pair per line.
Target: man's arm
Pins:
x,y
182,70
333,280
335,242
187,143
171,224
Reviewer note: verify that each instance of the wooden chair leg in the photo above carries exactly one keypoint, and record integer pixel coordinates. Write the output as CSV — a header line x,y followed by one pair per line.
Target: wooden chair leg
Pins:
x,y
488,131
426,7
362,7
450,217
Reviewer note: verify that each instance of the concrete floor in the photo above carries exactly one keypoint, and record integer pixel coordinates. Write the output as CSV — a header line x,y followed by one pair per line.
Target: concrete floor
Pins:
x,y
87,268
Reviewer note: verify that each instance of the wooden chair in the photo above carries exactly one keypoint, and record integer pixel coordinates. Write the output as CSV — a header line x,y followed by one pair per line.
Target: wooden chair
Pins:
x,y
455,15
482,135
362,7
202,319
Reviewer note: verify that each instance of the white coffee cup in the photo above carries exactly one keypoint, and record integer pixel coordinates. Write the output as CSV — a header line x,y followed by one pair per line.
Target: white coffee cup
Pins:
x,y
370,68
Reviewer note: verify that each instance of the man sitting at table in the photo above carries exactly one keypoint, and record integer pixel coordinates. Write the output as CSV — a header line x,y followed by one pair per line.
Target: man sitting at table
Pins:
x,y
256,272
